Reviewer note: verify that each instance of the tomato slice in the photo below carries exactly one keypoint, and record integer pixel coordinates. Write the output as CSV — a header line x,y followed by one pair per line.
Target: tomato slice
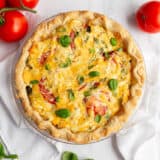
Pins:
x,y
100,110
72,36
96,106
44,57
46,93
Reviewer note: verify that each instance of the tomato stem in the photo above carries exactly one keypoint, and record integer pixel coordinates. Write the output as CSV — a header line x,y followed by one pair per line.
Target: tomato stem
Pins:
x,y
22,8
1,20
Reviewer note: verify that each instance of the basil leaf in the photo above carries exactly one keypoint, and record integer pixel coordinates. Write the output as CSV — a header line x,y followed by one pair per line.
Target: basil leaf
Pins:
x,y
63,113
94,74
91,50
107,116
80,79
34,82
61,29
66,64
71,94
106,54
113,84
113,41
97,118
12,156
57,99
91,66
87,93
47,67
65,40
69,156
1,150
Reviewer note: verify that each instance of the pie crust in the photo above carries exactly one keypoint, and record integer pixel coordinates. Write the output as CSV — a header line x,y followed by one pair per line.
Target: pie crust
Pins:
x,y
136,88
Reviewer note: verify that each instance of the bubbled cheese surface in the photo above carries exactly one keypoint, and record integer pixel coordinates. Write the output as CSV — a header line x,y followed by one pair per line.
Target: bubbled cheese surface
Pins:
x,y
92,51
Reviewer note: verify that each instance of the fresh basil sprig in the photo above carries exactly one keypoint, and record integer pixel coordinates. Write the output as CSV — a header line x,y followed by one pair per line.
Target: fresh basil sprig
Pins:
x,y
66,155
4,155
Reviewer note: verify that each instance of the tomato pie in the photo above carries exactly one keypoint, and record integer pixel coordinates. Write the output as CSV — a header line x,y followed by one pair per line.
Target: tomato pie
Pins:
x,y
80,76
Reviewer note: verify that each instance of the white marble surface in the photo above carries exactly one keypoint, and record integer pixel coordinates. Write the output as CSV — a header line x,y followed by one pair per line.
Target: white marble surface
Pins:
x,y
123,12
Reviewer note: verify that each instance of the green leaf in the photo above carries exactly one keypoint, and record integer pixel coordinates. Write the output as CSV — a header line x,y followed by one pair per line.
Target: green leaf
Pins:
x,y
66,64
61,29
91,50
87,93
120,49
69,156
94,74
107,116
91,66
65,40
63,113
12,156
113,84
80,79
34,82
47,67
71,94
106,54
97,118
57,99
113,41
1,150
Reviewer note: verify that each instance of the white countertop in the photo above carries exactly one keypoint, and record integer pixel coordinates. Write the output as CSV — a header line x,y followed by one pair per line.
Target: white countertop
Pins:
x,y
123,12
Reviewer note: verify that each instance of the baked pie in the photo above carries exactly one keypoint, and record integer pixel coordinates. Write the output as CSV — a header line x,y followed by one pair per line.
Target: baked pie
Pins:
x,y
80,76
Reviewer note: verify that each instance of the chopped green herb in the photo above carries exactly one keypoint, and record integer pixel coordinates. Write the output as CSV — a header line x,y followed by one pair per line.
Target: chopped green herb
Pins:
x,y
61,29
101,50
63,113
69,156
94,74
86,39
91,66
34,82
65,40
106,54
107,116
96,40
91,50
87,93
113,84
113,41
120,49
57,99
97,118
71,95
80,79
66,64
47,67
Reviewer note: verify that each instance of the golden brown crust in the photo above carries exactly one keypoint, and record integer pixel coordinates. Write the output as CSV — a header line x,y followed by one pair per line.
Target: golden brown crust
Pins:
x,y
138,74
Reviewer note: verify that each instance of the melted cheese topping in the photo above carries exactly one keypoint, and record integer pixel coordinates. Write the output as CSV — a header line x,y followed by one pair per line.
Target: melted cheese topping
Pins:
x,y
53,70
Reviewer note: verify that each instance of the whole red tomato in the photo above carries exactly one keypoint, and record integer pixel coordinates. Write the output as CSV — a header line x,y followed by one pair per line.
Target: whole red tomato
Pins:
x,y
27,3
2,3
148,17
13,26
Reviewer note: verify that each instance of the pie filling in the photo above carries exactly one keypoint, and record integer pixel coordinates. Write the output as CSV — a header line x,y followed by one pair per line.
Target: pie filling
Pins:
x,y
79,76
